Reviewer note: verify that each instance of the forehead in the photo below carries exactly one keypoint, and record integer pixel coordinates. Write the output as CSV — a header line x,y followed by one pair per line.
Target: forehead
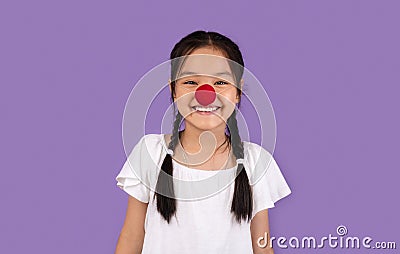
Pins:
x,y
207,65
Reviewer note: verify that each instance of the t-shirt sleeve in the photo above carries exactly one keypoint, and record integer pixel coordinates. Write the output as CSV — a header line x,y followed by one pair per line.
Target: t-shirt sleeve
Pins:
x,y
270,188
127,178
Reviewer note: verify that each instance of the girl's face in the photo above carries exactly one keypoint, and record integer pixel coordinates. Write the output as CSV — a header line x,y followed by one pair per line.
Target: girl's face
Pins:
x,y
206,66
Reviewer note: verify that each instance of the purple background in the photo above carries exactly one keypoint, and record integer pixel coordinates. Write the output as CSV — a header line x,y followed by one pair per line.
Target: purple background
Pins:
x,y
331,69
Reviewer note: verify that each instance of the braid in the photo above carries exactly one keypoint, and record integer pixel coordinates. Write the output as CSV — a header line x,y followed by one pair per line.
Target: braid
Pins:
x,y
166,205
236,141
175,131
242,202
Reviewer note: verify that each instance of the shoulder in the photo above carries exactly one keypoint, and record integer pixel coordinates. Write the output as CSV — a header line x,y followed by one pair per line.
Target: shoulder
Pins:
x,y
257,160
151,137
147,155
149,147
152,141
255,152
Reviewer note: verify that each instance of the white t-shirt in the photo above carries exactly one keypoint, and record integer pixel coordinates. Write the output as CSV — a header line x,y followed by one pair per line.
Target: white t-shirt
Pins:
x,y
203,222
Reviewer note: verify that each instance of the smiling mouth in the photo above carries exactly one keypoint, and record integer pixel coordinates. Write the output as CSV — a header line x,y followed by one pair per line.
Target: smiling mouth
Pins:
x,y
205,109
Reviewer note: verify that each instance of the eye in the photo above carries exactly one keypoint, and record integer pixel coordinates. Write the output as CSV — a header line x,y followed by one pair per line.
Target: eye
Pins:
x,y
190,82
221,83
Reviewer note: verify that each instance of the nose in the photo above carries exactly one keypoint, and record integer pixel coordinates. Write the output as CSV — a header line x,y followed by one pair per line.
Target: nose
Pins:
x,y
205,94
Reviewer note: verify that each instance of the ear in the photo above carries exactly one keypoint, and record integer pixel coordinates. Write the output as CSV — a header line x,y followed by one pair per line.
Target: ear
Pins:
x,y
170,87
241,91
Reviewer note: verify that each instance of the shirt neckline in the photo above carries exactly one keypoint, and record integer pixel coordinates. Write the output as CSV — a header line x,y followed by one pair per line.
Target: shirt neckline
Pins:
x,y
195,169
203,170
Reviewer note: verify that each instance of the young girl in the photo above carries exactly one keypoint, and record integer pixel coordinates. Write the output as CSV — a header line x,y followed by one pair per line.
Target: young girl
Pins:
x,y
211,217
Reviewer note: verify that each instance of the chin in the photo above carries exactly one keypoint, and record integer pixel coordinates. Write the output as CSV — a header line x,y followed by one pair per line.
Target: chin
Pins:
x,y
207,128
208,125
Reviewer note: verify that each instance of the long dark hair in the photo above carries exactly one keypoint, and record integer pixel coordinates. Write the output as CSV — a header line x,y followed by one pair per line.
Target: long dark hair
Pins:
x,y
242,203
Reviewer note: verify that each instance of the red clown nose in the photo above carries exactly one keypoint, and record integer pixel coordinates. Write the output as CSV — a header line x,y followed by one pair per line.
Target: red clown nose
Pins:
x,y
205,94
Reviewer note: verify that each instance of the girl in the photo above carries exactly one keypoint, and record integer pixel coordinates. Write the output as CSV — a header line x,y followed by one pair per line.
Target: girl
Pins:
x,y
230,219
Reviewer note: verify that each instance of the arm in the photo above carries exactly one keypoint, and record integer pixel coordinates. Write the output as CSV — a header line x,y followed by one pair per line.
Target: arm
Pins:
x,y
259,227
131,238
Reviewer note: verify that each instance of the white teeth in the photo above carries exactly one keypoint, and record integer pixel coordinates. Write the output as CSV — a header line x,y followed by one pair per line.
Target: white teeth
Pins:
x,y
205,109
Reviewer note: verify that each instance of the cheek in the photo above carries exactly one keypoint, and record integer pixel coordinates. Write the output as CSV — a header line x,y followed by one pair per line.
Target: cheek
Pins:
x,y
229,104
229,92
183,102
229,98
